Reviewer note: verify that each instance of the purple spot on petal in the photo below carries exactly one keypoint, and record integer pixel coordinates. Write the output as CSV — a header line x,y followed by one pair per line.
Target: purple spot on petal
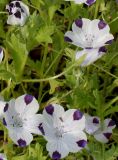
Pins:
x,y
49,109
95,120
107,135
18,14
6,107
82,143
56,155
21,143
111,123
102,49
109,42
1,158
11,5
41,128
77,115
18,4
101,24
90,2
28,99
4,122
79,23
67,39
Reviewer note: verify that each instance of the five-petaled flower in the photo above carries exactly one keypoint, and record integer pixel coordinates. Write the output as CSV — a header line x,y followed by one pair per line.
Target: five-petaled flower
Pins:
x,y
87,2
101,131
92,36
3,156
21,120
63,130
18,13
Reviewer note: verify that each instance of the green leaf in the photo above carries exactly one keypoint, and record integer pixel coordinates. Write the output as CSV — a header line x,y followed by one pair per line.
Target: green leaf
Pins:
x,y
19,53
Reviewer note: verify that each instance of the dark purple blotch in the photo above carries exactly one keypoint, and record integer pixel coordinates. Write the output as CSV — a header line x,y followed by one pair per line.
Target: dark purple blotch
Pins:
x,y
18,4
82,143
1,158
49,109
41,128
79,23
101,24
56,155
102,49
109,42
111,123
18,14
1,50
90,2
21,142
4,122
67,39
107,135
28,99
77,115
6,107
95,120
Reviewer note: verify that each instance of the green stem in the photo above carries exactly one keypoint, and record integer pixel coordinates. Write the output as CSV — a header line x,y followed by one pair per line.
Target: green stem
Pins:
x,y
96,9
42,69
115,19
49,78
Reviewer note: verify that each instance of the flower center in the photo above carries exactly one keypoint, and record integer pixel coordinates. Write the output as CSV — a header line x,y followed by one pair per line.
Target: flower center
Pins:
x,y
17,121
89,39
59,131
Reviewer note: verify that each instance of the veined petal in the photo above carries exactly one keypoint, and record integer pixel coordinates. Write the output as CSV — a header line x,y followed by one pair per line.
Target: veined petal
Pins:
x,y
74,120
91,55
57,149
109,124
26,105
92,124
34,124
2,105
21,137
75,141
53,111
103,136
90,2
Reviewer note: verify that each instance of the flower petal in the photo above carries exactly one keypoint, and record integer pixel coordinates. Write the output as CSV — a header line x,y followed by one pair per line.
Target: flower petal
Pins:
x,y
20,137
74,120
103,137
91,55
75,141
92,124
26,105
57,149
3,156
109,124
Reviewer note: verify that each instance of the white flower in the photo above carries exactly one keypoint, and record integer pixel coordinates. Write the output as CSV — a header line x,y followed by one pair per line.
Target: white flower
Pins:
x,y
21,120
63,130
18,13
101,131
87,2
2,156
89,34
91,55
1,55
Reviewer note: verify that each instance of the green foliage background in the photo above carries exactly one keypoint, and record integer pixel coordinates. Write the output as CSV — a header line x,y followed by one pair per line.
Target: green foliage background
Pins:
x,y
37,61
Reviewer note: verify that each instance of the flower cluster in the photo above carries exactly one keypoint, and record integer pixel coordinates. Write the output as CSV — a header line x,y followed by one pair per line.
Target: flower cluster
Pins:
x,y
63,130
91,36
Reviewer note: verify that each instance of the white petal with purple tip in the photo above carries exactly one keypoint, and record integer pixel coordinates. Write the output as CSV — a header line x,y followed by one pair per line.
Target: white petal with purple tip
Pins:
x,y
3,156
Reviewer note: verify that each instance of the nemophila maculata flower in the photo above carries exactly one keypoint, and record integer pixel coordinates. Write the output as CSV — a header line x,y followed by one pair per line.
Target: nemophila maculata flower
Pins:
x,y
89,34
92,36
3,156
18,13
101,131
87,2
1,54
63,131
21,120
